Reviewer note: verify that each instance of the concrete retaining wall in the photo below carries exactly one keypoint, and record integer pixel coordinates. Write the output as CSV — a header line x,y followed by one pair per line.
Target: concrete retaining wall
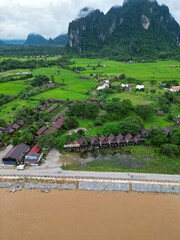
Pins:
x,y
93,185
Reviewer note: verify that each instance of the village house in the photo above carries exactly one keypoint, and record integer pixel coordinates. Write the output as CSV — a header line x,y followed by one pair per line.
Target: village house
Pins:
x,y
174,89
103,87
140,88
33,157
15,154
126,87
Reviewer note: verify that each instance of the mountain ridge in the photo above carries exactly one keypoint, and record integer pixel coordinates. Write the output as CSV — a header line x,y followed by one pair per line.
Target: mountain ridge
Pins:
x,y
137,27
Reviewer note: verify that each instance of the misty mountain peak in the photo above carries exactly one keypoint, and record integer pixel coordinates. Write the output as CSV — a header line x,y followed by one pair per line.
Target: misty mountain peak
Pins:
x,y
85,12
128,1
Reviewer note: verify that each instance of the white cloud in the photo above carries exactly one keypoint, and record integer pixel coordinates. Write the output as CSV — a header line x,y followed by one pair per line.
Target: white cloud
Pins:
x,y
50,18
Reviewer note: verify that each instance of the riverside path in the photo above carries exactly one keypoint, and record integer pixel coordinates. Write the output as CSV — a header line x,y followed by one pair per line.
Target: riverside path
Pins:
x,y
58,172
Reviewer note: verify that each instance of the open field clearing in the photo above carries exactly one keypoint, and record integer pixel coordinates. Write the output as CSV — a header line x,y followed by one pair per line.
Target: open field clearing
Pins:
x,y
8,110
159,71
61,94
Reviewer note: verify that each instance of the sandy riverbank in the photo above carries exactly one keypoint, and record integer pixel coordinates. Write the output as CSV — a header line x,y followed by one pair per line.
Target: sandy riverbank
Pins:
x,y
67,215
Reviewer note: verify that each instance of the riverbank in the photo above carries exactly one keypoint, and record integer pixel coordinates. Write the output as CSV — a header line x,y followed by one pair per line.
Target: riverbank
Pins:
x,y
66,215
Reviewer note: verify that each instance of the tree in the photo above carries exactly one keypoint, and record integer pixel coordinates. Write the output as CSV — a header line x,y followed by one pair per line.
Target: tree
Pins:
x,y
91,110
71,123
130,126
47,140
158,137
122,76
175,138
2,123
39,80
143,111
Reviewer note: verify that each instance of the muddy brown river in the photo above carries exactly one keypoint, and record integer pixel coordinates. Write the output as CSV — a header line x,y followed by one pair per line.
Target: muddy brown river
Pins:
x,y
76,215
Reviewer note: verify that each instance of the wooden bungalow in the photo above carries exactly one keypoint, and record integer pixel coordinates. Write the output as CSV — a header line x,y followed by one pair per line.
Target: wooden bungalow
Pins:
x,y
168,130
51,100
144,132
160,113
41,131
103,142
94,142
138,139
15,154
130,139
83,142
72,146
101,105
52,108
112,141
121,140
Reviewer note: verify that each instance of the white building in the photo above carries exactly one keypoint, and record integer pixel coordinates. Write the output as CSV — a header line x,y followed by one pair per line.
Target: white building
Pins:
x,y
140,87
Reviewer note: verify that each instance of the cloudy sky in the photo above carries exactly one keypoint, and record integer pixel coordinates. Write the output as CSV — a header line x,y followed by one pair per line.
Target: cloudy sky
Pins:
x,y
50,18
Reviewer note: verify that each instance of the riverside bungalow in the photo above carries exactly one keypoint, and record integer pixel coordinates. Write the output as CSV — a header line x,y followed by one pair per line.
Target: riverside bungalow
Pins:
x,y
138,139
150,130
144,132
72,146
94,142
83,142
168,130
33,157
112,141
129,139
159,128
103,142
15,154
121,140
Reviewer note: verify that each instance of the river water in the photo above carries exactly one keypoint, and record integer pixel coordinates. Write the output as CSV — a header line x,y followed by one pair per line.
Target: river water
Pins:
x,y
76,215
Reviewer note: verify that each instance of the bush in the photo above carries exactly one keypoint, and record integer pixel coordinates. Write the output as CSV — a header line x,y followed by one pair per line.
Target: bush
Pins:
x,y
170,149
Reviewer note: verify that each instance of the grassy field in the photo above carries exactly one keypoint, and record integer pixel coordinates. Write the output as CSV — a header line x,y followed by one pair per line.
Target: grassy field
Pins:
x,y
12,88
144,159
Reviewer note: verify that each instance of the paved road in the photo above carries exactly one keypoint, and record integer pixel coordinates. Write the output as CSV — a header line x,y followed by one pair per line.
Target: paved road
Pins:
x,y
57,172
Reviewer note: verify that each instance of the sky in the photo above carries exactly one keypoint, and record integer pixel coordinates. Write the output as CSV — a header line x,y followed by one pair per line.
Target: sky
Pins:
x,y
50,18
